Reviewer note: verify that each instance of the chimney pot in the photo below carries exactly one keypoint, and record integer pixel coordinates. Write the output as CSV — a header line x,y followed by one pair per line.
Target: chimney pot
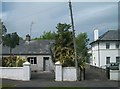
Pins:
x,y
28,38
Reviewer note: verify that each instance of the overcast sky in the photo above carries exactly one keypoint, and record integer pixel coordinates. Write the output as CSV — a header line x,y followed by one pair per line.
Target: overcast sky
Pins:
x,y
17,16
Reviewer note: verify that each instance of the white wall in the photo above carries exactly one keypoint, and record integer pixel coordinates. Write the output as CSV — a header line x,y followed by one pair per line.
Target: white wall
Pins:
x,y
69,74
12,72
103,52
16,73
114,74
65,73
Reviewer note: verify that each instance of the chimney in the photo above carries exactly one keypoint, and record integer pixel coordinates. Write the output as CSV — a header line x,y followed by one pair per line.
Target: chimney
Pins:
x,y
96,34
28,38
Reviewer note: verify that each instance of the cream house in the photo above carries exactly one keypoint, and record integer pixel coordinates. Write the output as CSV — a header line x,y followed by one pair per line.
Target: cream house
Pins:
x,y
37,53
105,48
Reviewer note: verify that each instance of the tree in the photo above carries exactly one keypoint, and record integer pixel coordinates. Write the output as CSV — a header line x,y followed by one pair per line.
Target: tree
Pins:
x,y
82,49
46,36
64,49
11,40
3,30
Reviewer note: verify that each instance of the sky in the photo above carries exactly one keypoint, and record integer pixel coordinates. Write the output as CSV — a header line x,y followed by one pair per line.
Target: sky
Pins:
x,y
18,16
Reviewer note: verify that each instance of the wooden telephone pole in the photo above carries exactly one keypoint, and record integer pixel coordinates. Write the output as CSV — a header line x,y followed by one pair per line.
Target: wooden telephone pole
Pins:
x,y
75,51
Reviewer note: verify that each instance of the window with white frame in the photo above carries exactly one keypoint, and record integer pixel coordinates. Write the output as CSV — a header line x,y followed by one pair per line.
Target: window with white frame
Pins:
x,y
118,59
107,60
117,45
32,60
107,45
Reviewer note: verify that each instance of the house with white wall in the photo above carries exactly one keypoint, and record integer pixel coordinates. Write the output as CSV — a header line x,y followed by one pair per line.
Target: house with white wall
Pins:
x,y
105,48
37,53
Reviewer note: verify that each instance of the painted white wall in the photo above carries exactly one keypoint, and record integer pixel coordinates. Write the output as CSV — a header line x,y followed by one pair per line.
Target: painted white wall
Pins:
x,y
69,74
16,73
65,73
12,72
103,52
114,74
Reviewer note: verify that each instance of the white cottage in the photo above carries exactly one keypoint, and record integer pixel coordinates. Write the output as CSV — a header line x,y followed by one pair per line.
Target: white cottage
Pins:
x,y
106,48
36,51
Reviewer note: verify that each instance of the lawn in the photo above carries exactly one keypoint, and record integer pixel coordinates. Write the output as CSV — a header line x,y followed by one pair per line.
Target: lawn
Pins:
x,y
67,88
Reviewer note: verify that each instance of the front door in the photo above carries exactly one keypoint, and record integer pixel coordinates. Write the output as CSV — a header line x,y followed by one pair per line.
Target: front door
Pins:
x,y
46,64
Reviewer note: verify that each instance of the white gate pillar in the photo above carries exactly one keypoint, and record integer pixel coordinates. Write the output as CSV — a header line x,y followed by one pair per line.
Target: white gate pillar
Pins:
x,y
58,71
26,71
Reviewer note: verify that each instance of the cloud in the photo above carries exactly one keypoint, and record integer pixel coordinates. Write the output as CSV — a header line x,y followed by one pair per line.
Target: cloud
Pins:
x,y
61,0
18,16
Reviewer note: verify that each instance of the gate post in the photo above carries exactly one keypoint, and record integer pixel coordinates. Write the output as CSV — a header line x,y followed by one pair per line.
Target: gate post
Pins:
x,y
26,71
58,71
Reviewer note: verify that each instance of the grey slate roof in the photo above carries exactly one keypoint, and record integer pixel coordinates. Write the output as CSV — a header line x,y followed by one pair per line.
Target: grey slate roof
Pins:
x,y
111,35
34,47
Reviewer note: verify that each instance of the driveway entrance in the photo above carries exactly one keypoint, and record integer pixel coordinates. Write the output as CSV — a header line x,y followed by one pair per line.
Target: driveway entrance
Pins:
x,y
42,76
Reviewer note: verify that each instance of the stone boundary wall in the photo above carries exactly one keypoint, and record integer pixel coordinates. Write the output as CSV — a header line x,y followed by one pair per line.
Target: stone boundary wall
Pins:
x,y
96,69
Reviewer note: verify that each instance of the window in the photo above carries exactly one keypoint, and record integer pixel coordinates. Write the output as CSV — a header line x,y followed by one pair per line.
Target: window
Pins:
x,y
107,45
32,60
117,45
117,59
107,60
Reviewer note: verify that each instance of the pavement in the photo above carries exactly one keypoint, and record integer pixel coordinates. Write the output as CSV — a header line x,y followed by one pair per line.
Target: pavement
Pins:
x,y
46,79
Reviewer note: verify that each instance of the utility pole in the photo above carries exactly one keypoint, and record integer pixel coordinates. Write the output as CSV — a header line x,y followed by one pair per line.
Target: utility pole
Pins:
x,y
75,51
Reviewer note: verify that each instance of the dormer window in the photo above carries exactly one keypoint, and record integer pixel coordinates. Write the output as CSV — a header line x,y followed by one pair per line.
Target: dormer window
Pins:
x,y
107,45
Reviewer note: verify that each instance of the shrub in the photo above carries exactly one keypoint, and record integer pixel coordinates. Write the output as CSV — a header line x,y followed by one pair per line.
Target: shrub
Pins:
x,y
13,61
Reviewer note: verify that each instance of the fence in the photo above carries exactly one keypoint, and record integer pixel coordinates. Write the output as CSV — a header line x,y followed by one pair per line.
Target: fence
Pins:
x,y
16,73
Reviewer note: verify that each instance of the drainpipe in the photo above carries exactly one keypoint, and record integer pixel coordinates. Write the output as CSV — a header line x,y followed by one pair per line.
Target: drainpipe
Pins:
x,y
98,55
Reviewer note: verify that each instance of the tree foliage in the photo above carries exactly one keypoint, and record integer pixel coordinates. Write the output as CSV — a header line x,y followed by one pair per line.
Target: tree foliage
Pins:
x,y
3,30
46,36
11,40
64,49
82,49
